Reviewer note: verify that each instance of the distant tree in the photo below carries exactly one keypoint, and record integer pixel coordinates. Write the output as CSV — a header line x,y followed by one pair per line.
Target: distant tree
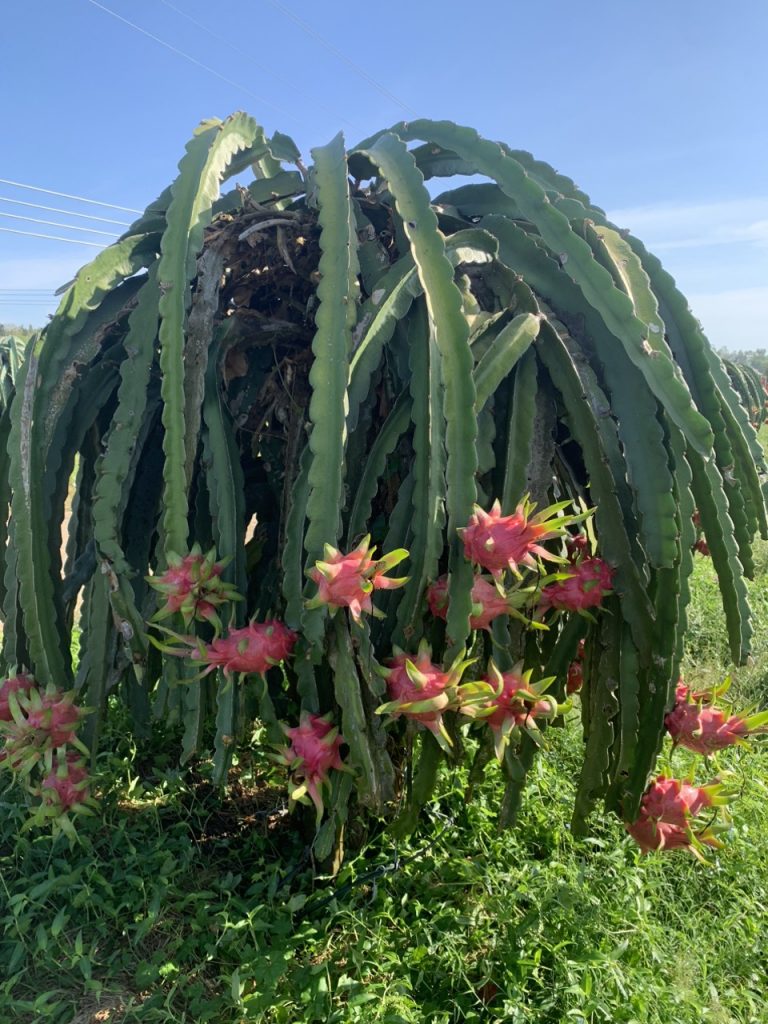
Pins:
x,y
756,358
25,333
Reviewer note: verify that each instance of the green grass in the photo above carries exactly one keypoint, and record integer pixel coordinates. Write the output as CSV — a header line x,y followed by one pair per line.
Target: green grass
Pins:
x,y
176,908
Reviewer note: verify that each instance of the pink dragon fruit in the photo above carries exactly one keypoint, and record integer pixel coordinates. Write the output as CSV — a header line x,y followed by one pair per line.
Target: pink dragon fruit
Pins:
x,y
18,684
54,714
651,835
577,545
314,751
507,702
347,581
676,802
487,603
66,786
574,679
421,690
251,650
498,542
702,547
705,729
192,586
588,582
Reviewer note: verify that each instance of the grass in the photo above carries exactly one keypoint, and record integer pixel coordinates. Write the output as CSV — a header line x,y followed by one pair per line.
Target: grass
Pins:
x,y
178,908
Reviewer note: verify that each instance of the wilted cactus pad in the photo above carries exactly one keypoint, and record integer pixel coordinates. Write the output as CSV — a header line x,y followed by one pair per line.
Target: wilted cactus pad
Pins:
x,y
328,352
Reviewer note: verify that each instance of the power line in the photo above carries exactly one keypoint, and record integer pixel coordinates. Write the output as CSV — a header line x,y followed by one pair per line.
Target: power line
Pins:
x,y
65,195
247,56
69,213
56,238
58,224
341,56
194,60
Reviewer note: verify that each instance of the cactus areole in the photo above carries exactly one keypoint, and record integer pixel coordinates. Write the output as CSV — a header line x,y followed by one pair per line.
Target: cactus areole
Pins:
x,y
292,364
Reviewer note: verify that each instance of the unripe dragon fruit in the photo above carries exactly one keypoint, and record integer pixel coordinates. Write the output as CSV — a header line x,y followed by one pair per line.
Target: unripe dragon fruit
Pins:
x,y
588,582
347,581
487,603
421,690
507,702
498,542
18,684
192,586
314,751
66,786
251,650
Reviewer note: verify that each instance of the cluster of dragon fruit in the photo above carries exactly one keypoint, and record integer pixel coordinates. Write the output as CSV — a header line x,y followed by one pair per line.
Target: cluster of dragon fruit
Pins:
x,y
39,728
40,747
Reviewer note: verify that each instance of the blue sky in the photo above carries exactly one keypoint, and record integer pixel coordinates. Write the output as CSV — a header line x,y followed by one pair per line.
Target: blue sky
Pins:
x,y
657,109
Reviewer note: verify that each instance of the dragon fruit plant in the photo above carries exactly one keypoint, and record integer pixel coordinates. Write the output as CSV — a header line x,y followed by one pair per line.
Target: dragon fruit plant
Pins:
x,y
354,353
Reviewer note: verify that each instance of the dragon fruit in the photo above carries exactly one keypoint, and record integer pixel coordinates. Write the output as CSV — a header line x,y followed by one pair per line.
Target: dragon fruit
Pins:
x,y
487,603
18,684
676,802
253,649
54,714
193,586
651,835
347,581
507,702
66,786
587,583
498,542
705,729
421,690
574,679
577,545
314,751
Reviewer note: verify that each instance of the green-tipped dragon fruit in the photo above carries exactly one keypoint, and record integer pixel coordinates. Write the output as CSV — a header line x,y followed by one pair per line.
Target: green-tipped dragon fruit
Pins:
x,y
422,691
508,702
313,753
348,581
192,587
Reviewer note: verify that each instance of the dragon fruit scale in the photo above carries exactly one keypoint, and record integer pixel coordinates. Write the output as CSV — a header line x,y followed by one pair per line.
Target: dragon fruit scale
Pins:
x,y
313,752
348,581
